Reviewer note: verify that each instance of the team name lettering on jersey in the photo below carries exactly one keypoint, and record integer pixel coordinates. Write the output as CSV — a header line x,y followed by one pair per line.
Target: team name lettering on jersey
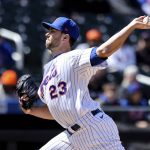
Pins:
x,y
53,74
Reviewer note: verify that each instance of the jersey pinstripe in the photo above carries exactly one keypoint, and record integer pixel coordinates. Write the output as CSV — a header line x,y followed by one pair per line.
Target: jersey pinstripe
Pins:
x,y
64,86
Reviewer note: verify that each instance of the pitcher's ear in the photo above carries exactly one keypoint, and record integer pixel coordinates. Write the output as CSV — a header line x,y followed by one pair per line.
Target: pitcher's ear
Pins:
x,y
66,36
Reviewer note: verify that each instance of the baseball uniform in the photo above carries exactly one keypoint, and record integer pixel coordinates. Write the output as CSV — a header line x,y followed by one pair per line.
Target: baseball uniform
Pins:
x,y
65,91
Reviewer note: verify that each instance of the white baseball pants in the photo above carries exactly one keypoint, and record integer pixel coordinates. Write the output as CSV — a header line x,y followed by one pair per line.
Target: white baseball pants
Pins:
x,y
97,132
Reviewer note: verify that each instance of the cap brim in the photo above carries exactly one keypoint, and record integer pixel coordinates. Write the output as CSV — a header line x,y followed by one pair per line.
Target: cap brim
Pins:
x,y
49,25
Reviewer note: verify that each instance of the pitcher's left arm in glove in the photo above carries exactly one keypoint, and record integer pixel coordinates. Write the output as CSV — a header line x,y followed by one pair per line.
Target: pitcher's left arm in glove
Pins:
x,y
26,86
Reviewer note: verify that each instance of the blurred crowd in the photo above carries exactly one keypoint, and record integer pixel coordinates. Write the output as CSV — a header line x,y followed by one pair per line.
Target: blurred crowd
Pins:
x,y
119,85
8,79
123,85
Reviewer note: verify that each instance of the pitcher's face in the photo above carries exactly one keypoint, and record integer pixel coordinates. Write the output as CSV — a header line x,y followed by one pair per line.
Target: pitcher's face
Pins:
x,y
53,38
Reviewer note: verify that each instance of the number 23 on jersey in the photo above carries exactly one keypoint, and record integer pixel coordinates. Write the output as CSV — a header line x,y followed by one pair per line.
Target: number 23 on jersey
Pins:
x,y
58,90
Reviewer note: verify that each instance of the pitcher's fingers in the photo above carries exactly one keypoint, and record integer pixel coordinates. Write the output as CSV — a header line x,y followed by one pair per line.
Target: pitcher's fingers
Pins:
x,y
25,97
140,18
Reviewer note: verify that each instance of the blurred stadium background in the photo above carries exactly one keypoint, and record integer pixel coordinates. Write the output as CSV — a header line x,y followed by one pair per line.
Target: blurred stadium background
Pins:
x,y
22,50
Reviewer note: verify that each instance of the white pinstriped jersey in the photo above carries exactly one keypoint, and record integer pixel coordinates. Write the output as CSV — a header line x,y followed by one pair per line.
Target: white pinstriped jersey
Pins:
x,y
65,86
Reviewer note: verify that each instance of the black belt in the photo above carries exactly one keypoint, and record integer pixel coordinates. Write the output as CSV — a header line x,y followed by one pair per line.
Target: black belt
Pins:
x,y
76,127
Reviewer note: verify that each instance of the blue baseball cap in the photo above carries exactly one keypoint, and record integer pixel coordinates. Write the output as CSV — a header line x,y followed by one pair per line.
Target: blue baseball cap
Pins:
x,y
65,25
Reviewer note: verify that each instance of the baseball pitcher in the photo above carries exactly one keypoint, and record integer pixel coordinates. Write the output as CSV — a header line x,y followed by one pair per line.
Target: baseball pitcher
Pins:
x,y
64,88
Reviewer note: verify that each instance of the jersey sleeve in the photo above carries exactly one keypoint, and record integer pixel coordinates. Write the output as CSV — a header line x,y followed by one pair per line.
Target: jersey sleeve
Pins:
x,y
87,63
90,59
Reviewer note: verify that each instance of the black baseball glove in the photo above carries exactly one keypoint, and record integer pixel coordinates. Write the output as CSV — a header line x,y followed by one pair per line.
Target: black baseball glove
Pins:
x,y
26,86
